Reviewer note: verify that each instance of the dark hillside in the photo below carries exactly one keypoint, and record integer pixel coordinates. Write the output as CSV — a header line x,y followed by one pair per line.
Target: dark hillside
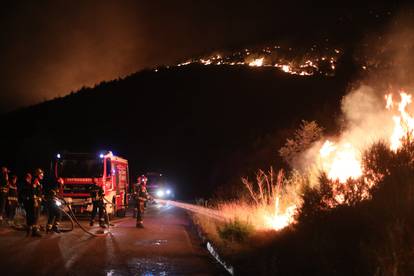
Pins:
x,y
186,122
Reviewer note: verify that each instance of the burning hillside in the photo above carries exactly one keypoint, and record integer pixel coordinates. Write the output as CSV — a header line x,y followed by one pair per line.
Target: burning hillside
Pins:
x,y
313,61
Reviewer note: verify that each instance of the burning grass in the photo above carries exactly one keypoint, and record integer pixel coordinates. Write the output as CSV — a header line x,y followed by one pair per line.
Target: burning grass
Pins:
x,y
358,235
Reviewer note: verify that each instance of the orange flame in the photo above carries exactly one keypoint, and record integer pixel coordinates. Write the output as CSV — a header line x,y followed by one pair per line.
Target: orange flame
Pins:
x,y
257,62
403,124
343,161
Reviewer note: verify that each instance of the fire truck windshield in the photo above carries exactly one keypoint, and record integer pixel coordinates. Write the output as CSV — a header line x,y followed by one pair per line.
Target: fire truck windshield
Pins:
x,y
80,168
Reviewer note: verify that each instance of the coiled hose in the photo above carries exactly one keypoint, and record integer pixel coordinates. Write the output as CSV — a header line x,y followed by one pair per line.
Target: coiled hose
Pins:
x,y
73,218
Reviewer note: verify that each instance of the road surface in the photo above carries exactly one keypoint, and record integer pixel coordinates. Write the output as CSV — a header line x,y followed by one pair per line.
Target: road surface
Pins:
x,y
166,246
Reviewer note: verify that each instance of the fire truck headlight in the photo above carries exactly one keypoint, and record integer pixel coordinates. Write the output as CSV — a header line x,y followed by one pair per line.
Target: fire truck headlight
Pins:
x,y
101,155
58,155
160,193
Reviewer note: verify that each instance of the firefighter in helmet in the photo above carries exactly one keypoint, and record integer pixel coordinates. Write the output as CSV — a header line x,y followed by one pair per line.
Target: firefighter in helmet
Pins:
x,y
97,195
141,195
12,199
52,200
32,200
4,189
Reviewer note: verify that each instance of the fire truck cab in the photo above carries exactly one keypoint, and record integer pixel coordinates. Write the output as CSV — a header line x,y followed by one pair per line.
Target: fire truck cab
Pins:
x,y
80,171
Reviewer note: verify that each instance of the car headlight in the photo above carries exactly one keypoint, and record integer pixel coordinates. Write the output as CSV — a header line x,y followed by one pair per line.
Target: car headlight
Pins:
x,y
160,193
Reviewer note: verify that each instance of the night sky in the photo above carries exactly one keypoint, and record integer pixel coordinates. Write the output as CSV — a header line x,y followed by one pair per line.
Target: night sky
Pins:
x,y
50,48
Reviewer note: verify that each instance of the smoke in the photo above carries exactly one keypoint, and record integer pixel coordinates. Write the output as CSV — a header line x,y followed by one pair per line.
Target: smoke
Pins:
x,y
389,54
388,64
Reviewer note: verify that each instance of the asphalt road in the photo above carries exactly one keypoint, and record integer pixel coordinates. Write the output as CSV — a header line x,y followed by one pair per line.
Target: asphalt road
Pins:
x,y
165,246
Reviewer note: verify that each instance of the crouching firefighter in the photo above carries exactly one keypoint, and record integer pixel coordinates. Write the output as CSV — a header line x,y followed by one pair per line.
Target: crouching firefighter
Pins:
x,y
54,214
97,195
32,199
141,195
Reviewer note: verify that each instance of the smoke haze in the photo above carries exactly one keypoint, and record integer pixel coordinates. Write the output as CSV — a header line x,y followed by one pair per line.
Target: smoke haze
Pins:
x,y
50,48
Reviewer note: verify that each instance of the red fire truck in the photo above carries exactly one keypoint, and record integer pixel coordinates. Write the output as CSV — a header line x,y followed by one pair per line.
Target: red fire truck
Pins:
x,y
82,170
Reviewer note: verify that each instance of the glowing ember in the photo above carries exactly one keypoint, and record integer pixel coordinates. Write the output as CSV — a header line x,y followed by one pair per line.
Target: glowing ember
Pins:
x,y
286,68
257,62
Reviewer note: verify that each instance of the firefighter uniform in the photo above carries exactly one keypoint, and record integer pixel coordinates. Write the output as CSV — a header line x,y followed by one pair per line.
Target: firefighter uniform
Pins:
x,y
12,199
4,189
54,214
141,195
97,195
32,203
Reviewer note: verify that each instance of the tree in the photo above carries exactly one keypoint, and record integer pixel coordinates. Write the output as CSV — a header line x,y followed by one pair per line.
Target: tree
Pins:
x,y
304,137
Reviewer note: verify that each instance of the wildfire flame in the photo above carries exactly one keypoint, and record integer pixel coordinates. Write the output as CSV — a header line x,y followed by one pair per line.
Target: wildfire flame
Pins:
x,y
303,64
404,123
257,62
342,162
279,220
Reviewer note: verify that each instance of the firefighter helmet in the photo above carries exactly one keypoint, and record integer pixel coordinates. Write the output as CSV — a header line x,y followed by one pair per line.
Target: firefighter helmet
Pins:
x,y
38,172
142,179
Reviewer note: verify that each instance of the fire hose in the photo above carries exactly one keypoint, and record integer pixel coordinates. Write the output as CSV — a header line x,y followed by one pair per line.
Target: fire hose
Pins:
x,y
73,218
61,203
20,227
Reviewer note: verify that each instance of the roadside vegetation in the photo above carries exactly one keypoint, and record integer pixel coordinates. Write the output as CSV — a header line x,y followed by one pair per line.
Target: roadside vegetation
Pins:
x,y
368,231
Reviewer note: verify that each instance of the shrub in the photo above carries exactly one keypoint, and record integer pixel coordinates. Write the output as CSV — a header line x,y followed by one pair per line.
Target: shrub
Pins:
x,y
235,231
304,137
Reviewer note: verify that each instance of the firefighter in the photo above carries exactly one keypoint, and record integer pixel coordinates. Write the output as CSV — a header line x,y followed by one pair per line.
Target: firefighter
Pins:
x,y
141,195
4,188
97,195
32,195
54,213
12,199
25,195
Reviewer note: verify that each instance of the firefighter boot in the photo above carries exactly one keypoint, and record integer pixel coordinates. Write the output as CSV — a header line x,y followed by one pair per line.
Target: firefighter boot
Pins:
x,y
140,224
55,228
28,230
36,232
48,228
102,223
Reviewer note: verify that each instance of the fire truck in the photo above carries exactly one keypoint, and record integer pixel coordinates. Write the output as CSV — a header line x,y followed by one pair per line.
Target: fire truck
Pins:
x,y
80,171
